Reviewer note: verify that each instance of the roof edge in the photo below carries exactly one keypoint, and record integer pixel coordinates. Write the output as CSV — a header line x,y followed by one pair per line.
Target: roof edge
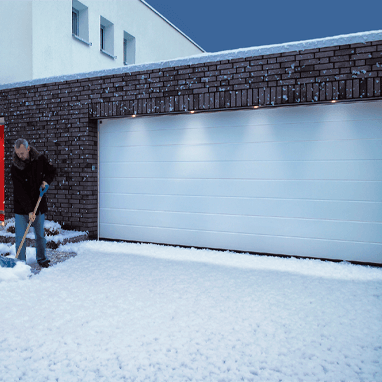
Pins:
x,y
171,24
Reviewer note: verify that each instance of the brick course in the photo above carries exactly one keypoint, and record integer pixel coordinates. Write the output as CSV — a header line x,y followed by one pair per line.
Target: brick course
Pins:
x,y
60,119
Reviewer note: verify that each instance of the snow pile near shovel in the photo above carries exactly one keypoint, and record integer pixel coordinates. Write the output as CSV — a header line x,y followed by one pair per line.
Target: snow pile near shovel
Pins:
x,y
20,272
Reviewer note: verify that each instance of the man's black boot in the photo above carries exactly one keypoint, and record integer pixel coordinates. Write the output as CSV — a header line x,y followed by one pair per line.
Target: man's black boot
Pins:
x,y
44,263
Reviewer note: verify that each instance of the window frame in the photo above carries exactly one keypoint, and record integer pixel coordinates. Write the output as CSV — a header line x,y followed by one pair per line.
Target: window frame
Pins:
x,y
76,24
102,37
106,37
124,50
80,22
129,48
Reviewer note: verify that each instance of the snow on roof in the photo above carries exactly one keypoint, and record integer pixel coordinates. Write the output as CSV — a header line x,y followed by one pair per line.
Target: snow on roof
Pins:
x,y
353,38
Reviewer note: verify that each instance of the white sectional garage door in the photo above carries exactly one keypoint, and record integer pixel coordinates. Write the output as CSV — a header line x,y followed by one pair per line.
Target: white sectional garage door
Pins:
x,y
303,180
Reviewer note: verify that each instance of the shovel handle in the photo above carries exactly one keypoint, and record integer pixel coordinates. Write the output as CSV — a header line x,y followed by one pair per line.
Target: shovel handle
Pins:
x,y
27,230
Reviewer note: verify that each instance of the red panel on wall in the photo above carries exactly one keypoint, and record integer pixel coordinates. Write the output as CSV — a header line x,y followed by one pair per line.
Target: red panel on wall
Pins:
x,y
1,174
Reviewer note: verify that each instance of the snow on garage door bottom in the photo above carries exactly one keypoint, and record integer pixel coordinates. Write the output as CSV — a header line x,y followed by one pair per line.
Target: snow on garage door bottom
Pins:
x,y
303,181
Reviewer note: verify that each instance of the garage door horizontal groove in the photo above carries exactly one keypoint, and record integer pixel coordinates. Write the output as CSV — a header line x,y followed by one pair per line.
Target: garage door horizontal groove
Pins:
x,y
252,180
151,144
183,127
255,129
244,161
246,198
255,179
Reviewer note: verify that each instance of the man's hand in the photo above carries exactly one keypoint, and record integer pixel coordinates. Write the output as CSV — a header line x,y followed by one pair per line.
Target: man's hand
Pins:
x,y
43,184
32,217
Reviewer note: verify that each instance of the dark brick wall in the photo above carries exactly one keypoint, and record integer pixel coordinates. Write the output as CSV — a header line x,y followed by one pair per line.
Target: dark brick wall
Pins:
x,y
60,118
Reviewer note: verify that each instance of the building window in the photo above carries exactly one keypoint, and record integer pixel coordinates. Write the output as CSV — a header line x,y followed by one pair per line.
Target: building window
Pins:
x,y
106,43
80,21
102,37
75,20
128,49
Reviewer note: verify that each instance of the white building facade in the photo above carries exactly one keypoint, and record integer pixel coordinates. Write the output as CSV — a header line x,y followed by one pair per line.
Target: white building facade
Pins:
x,y
45,38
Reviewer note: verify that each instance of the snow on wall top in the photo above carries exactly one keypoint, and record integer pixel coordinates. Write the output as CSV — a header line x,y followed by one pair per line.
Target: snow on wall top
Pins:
x,y
353,38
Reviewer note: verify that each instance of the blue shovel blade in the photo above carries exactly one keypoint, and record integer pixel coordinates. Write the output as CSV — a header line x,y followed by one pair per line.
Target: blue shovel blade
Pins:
x,y
6,262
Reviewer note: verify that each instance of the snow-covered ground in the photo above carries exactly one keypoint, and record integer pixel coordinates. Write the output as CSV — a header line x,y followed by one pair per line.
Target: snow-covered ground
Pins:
x,y
130,312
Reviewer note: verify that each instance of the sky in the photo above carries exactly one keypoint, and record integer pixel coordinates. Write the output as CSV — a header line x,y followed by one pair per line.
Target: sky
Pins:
x,y
218,25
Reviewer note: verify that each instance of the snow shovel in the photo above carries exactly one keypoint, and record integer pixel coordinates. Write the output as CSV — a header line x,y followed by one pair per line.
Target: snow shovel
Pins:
x,y
9,262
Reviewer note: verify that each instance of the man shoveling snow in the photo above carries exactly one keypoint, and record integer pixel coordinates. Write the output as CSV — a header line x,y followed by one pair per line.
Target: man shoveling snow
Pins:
x,y
30,172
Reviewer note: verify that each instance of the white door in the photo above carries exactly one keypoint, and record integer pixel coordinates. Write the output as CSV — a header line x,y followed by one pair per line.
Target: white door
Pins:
x,y
301,180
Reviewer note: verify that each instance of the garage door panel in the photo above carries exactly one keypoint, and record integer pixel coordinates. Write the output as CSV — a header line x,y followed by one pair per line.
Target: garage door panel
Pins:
x,y
285,151
312,190
269,180
328,210
307,114
303,228
345,170
193,129
280,245
239,135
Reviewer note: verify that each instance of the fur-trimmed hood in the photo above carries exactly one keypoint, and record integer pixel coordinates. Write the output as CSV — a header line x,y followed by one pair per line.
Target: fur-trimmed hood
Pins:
x,y
20,164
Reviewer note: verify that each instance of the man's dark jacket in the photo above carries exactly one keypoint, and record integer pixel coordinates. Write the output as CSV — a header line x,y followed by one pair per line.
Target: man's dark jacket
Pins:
x,y
27,177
